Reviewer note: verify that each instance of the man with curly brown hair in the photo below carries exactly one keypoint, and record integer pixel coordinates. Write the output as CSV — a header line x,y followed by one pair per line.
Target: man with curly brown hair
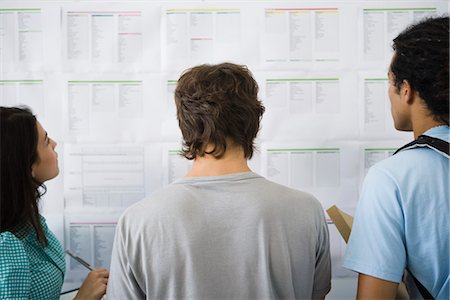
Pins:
x,y
222,231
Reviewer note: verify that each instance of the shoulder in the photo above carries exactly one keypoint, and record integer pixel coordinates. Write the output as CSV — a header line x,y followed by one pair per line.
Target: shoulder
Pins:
x,y
10,243
407,167
412,158
15,275
283,193
381,193
289,202
150,205
12,250
151,202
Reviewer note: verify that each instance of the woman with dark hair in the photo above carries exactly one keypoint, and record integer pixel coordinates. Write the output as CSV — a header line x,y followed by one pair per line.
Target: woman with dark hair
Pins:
x,y
32,264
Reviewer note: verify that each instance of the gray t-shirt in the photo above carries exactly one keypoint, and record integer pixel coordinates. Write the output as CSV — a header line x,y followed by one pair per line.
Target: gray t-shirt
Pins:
x,y
235,236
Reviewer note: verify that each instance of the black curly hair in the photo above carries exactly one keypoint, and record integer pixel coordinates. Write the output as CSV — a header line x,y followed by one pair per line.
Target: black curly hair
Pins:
x,y
422,58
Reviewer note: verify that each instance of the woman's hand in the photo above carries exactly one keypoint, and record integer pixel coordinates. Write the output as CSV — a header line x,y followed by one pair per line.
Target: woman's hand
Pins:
x,y
94,286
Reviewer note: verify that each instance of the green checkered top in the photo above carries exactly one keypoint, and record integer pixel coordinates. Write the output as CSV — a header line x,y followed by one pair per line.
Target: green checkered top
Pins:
x,y
28,270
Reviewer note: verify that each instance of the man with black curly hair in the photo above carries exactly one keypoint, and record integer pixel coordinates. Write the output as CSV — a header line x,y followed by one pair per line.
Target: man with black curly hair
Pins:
x,y
402,219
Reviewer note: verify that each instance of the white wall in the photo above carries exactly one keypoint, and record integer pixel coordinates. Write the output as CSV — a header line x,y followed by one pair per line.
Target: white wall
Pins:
x,y
100,76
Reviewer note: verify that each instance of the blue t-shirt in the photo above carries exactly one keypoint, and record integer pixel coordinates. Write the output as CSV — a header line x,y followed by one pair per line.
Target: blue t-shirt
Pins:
x,y
28,270
402,220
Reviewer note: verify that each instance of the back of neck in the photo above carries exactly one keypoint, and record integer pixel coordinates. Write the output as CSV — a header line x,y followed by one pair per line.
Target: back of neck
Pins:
x,y
232,162
421,127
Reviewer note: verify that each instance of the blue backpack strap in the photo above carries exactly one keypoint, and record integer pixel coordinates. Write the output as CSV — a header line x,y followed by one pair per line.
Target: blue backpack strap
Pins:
x,y
436,144
423,290
442,147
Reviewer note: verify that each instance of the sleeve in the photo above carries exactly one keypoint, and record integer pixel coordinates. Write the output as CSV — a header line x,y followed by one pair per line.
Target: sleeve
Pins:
x,y
15,275
322,274
122,283
376,246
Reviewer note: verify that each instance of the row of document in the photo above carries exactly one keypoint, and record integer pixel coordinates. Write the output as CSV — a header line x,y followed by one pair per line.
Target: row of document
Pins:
x,y
159,36
314,105
113,177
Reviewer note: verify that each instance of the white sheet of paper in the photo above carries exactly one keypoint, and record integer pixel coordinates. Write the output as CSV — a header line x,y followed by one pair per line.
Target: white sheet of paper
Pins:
x,y
311,105
103,176
110,37
111,107
200,33
91,238
383,20
327,170
375,112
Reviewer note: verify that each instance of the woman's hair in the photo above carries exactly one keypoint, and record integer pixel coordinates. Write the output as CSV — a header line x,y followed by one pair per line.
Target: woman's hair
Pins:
x,y
20,192
217,105
422,58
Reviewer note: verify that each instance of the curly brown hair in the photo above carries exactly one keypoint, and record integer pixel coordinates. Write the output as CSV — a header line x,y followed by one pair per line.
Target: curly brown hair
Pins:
x,y
217,105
